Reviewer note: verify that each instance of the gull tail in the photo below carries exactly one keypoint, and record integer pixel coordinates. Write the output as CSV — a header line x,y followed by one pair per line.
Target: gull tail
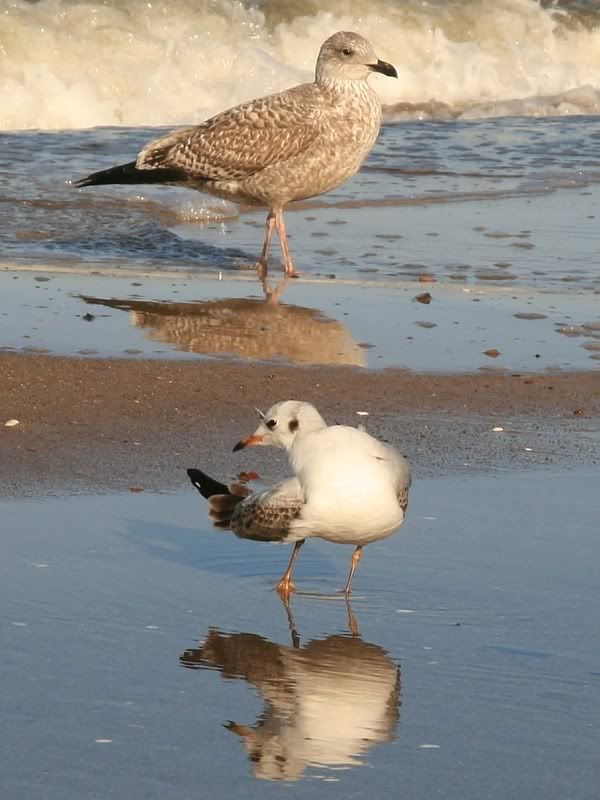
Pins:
x,y
222,499
207,486
129,173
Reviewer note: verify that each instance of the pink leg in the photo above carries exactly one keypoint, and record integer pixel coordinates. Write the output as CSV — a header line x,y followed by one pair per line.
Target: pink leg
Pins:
x,y
272,296
289,267
285,586
356,556
263,263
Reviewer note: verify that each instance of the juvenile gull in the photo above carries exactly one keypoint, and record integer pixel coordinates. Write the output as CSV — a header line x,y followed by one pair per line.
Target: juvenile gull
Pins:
x,y
273,150
348,487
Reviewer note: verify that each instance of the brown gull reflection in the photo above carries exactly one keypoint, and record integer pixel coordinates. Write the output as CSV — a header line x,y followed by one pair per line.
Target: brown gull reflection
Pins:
x,y
244,327
326,703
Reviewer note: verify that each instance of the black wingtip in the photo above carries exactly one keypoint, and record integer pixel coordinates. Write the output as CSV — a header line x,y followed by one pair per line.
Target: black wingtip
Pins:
x,y
130,174
206,485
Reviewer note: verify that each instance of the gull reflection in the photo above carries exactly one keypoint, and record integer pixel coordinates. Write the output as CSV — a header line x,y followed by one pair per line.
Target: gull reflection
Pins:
x,y
326,702
245,327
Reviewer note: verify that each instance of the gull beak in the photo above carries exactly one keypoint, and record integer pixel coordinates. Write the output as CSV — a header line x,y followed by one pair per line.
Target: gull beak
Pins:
x,y
384,68
248,441
241,730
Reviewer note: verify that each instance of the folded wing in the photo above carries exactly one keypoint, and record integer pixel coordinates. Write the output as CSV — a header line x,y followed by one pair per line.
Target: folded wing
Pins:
x,y
240,141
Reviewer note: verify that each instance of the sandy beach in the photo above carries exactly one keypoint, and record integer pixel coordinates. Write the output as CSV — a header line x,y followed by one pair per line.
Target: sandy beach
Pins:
x,y
447,301
87,424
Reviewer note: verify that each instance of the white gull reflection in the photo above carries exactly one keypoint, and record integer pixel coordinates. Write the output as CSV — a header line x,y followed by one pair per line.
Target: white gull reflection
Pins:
x,y
326,702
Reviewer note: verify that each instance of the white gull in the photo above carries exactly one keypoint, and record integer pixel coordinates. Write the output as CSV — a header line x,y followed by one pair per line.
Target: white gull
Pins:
x,y
326,703
348,487
270,151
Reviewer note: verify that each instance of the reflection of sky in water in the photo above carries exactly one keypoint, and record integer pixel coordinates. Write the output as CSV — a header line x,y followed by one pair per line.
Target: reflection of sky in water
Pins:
x,y
321,322
517,241
100,596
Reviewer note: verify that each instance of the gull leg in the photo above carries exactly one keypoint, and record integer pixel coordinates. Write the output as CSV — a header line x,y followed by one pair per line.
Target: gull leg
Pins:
x,y
285,586
285,599
289,267
352,623
272,296
356,556
262,263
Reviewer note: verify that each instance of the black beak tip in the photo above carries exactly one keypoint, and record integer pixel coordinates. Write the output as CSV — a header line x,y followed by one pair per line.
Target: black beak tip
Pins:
x,y
239,446
385,69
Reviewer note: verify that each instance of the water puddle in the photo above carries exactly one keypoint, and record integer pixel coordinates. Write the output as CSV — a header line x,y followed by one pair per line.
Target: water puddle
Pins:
x,y
146,655
307,321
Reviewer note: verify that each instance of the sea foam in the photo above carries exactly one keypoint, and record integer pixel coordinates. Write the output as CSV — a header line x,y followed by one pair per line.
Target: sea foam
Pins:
x,y
72,64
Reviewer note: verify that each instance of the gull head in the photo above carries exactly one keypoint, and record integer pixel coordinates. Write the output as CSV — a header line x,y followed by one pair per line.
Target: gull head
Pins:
x,y
282,423
348,56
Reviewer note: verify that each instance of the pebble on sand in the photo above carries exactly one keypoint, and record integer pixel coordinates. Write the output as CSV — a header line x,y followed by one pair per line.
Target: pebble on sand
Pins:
x,y
424,297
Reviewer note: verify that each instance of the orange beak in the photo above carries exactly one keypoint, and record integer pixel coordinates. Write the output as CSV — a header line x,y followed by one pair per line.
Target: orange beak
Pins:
x,y
241,730
248,441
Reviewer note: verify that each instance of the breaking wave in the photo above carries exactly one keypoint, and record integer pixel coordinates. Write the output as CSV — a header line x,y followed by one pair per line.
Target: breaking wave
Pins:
x,y
76,64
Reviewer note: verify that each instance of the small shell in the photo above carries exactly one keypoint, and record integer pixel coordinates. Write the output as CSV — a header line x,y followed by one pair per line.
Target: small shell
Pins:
x,y
11,423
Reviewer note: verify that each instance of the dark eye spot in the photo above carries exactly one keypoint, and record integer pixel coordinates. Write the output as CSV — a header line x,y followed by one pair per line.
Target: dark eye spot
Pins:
x,y
347,51
294,425
271,423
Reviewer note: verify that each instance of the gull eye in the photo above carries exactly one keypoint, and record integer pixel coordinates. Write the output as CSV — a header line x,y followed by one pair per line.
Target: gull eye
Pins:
x,y
347,51
271,423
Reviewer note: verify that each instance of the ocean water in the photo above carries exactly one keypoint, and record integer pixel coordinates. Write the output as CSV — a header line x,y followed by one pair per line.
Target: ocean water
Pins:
x,y
512,201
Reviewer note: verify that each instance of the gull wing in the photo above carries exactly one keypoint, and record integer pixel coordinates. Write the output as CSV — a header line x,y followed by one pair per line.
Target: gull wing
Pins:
x,y
241,141
267,516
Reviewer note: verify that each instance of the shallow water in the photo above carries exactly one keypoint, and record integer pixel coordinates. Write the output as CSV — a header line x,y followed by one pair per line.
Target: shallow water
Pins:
x,y
371,324
505,210
513,200
147,656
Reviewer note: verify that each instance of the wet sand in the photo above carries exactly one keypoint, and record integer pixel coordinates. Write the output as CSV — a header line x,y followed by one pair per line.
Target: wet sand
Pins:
x,y
109,424
146,656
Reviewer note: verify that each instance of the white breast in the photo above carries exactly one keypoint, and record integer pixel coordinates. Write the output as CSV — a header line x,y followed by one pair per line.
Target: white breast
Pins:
x,y
350,483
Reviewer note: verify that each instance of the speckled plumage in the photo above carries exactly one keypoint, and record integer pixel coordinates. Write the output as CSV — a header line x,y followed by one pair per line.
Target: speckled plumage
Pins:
x,y
288,146
270,151
402,495
268,515
265,516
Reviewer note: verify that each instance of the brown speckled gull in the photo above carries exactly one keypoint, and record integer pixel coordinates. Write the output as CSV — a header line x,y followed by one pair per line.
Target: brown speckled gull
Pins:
x,y
270,151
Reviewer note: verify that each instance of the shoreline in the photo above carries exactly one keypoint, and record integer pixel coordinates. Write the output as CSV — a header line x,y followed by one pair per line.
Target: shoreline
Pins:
x,y
116,424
